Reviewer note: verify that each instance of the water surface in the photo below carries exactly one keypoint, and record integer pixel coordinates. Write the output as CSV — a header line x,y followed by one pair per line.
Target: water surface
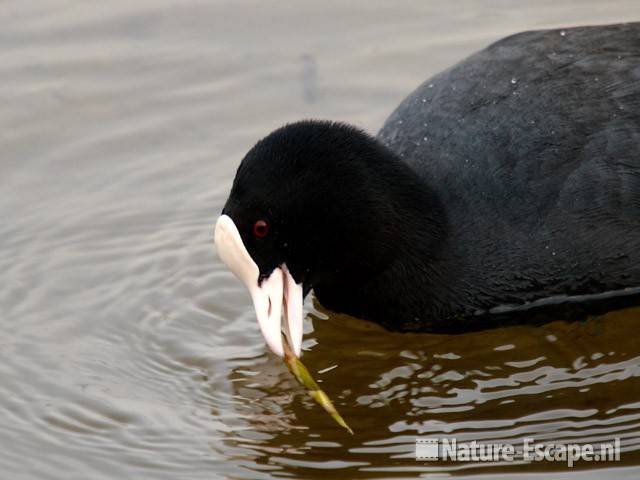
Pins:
x,y
128,351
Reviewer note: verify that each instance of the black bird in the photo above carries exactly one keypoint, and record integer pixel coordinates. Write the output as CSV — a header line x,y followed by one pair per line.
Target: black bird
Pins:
x,y
504,189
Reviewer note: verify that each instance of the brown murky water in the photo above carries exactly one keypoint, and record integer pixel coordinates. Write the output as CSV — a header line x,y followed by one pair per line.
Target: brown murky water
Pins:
x,y
128,351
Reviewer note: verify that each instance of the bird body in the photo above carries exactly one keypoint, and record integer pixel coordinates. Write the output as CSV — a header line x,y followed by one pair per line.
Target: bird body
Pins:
x,y
505,189
533,145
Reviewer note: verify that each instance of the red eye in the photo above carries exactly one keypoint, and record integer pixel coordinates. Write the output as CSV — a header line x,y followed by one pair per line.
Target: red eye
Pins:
x,y
261,229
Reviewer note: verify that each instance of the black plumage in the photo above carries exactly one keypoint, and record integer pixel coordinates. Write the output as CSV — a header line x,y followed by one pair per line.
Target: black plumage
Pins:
x,y
506,188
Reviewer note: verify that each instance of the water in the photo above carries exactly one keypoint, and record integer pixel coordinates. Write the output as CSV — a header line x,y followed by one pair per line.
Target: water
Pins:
x,y
128,351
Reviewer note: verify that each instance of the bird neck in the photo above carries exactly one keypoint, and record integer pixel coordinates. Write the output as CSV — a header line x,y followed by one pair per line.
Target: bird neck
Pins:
x,y
405,255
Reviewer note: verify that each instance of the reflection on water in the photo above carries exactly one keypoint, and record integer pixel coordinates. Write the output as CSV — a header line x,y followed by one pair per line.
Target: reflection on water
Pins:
x,y
128,351
560,382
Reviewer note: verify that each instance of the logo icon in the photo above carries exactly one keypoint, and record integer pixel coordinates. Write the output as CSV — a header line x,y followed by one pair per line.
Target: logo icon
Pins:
x,y
427,449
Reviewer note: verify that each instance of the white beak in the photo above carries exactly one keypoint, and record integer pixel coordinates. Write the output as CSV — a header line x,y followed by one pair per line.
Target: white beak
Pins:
x,y
270,295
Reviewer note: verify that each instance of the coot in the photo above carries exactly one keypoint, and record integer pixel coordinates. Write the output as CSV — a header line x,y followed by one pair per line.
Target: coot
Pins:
x,y
506,188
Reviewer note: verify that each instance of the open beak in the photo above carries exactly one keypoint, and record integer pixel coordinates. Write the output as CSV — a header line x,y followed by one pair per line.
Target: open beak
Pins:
x,y
274,297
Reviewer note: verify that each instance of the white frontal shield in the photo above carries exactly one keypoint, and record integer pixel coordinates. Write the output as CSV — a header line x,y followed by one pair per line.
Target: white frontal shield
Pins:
x,y
269,296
